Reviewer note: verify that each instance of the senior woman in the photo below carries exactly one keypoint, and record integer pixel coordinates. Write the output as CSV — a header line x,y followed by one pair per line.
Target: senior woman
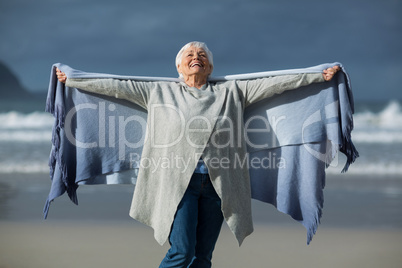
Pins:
x,y
187,204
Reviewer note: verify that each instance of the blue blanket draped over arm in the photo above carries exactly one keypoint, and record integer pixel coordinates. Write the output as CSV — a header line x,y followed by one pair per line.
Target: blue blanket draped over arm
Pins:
x,y
295,134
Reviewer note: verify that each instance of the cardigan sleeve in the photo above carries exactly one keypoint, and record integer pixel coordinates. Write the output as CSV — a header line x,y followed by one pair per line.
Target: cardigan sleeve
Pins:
x,y
137,92
257,89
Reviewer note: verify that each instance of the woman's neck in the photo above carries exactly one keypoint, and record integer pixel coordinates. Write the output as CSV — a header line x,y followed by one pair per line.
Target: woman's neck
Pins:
x,y
195,81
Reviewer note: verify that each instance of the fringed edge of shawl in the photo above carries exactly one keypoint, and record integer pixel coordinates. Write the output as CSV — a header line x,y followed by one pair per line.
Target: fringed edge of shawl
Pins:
x,y
312,228
46,208
52,163
348,148
49,108
351,153
56,157
311,224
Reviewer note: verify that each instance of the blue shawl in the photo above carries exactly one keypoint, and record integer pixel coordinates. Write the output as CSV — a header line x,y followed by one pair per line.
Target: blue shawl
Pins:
x,y
294,135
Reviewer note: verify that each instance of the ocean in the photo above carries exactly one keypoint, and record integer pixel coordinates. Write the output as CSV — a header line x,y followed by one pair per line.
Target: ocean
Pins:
x,y
362,218
25,134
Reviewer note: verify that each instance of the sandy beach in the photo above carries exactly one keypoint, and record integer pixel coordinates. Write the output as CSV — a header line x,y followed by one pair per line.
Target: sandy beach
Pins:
x,y
361,227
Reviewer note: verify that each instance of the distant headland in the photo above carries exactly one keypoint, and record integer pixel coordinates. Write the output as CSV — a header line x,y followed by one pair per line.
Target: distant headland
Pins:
x,y
10,86
13,95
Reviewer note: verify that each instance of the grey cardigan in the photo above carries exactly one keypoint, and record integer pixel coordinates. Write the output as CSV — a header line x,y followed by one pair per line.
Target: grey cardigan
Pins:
x,y
184,124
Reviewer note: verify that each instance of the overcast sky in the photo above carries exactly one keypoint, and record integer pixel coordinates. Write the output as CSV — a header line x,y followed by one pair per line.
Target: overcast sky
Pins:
x,y
142,37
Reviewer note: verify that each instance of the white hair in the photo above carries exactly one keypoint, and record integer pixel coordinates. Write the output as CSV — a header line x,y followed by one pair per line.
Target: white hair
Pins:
x,y
197,45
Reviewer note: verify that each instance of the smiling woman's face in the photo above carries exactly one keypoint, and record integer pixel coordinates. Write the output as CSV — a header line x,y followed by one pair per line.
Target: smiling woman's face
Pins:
x,y
194,61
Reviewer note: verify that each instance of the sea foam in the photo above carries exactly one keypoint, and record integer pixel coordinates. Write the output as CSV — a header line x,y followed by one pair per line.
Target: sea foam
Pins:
x,y
377,136
381,127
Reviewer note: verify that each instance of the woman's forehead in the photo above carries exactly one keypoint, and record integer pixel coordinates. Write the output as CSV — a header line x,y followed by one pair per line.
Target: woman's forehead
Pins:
x,y
193,49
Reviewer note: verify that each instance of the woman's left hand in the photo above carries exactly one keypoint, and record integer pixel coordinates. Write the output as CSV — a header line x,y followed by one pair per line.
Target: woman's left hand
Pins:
x,y
330,72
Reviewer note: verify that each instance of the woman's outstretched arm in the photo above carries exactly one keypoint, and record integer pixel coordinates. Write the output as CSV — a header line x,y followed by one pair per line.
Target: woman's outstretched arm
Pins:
x,y
258,89
137,92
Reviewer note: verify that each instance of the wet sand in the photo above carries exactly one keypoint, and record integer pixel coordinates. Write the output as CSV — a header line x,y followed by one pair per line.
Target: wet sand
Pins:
x,y
361,227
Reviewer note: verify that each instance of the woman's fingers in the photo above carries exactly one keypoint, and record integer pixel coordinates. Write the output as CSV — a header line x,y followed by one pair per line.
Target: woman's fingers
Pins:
x,y
330,72
60,75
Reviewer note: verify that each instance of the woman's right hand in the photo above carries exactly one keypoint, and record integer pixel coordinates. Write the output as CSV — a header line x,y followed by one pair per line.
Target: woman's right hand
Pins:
x,y
61,76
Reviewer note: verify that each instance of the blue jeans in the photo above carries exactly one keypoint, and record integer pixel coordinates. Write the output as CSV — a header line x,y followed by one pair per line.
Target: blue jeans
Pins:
x,y
196,226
